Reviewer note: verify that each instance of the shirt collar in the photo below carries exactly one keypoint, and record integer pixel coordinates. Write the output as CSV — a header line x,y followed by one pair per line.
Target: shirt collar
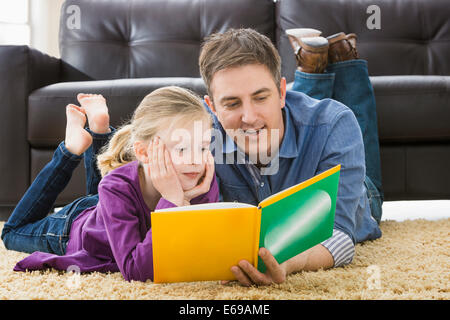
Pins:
x,y
288,147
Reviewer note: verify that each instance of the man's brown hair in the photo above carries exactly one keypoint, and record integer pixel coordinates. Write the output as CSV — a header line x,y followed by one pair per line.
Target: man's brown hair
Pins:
x,y
238,47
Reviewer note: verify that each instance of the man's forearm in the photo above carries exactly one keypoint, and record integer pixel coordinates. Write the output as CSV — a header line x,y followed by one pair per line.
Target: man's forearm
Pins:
x,y
310,260
336,251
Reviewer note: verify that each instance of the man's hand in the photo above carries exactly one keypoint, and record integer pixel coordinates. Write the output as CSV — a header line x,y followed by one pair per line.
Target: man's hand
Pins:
x,y
312,259
248,275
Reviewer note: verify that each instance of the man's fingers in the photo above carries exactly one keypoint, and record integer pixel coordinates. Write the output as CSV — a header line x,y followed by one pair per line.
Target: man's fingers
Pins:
x,y
247,274
253,274
241,277
273,267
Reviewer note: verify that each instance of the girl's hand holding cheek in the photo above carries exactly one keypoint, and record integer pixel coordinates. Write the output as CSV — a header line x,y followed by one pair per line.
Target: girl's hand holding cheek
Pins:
x,y
162,173
203,186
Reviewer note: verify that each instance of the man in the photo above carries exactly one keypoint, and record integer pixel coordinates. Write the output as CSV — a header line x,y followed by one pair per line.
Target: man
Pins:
x,y
278,138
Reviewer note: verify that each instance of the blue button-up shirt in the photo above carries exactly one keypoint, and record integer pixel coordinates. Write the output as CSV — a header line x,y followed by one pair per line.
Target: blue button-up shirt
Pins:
x,y
318,135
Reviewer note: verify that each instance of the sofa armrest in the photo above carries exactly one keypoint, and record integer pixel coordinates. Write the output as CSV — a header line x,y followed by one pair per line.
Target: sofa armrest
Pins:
x,y
22,70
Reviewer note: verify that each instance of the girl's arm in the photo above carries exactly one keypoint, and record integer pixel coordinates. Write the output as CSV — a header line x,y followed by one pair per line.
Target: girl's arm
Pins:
x,y
124,218
129,236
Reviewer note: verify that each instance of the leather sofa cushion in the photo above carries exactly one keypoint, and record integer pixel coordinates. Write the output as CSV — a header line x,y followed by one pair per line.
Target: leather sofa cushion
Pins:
x,y
413,39
158,38
46,106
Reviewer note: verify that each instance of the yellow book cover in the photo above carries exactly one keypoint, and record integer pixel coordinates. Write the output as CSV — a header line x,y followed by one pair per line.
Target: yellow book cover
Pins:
x,y
202,242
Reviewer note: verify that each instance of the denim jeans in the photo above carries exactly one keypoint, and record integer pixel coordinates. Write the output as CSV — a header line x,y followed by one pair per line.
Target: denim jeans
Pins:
x,y
30,227
348,82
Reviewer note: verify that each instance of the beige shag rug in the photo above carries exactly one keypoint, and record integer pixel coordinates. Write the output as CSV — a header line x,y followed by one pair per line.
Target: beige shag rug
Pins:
x,y
410,261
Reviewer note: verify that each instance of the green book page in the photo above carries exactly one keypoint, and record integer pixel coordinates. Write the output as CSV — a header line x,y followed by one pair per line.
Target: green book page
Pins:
x,y
299,221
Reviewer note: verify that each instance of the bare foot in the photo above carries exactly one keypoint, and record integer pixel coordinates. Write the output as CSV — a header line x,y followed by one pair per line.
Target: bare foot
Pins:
x,y
77,139
96,111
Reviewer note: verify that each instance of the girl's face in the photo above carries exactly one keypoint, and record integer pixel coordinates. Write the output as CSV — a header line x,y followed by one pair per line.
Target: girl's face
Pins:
x,y
188,145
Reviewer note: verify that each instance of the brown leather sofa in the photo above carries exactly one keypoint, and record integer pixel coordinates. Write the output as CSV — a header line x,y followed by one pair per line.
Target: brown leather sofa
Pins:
x,y
125,49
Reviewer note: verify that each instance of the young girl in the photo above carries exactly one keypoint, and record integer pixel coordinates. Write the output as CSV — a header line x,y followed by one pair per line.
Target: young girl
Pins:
x,y
160,159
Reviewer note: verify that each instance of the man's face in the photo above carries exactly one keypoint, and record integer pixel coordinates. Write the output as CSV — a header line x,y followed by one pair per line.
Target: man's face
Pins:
x,y
248,104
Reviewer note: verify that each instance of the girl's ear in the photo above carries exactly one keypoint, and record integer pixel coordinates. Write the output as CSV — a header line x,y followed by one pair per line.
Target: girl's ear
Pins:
x,y
140,150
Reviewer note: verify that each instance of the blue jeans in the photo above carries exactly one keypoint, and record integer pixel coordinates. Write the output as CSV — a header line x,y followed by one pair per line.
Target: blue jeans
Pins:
x,y
348,82
30,227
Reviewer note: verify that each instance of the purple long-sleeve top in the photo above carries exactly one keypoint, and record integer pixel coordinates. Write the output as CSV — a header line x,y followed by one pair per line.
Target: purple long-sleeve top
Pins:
x,y
116,234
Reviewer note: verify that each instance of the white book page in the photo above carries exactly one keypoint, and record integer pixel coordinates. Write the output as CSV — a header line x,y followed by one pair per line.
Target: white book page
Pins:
x,y
209,206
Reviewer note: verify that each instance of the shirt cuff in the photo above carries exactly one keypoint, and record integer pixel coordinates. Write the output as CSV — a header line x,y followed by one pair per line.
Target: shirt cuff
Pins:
x,y
341,248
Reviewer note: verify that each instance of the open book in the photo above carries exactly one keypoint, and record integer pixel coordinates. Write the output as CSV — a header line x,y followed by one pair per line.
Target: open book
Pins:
x,y
202,242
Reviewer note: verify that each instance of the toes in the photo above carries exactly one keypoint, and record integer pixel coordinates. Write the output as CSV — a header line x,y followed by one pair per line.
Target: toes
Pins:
x,y
70,108
81,96
99,96
74,115
75,108
85,97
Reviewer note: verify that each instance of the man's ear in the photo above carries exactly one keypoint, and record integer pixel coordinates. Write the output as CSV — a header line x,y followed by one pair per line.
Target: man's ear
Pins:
x,y
283,91
140,150
210,104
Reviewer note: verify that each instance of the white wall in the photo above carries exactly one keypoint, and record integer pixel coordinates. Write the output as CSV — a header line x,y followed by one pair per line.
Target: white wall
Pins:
x,y
44,25
14,26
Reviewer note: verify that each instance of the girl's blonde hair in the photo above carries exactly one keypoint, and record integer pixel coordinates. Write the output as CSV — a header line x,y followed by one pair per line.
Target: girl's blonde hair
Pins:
x,y
155,112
